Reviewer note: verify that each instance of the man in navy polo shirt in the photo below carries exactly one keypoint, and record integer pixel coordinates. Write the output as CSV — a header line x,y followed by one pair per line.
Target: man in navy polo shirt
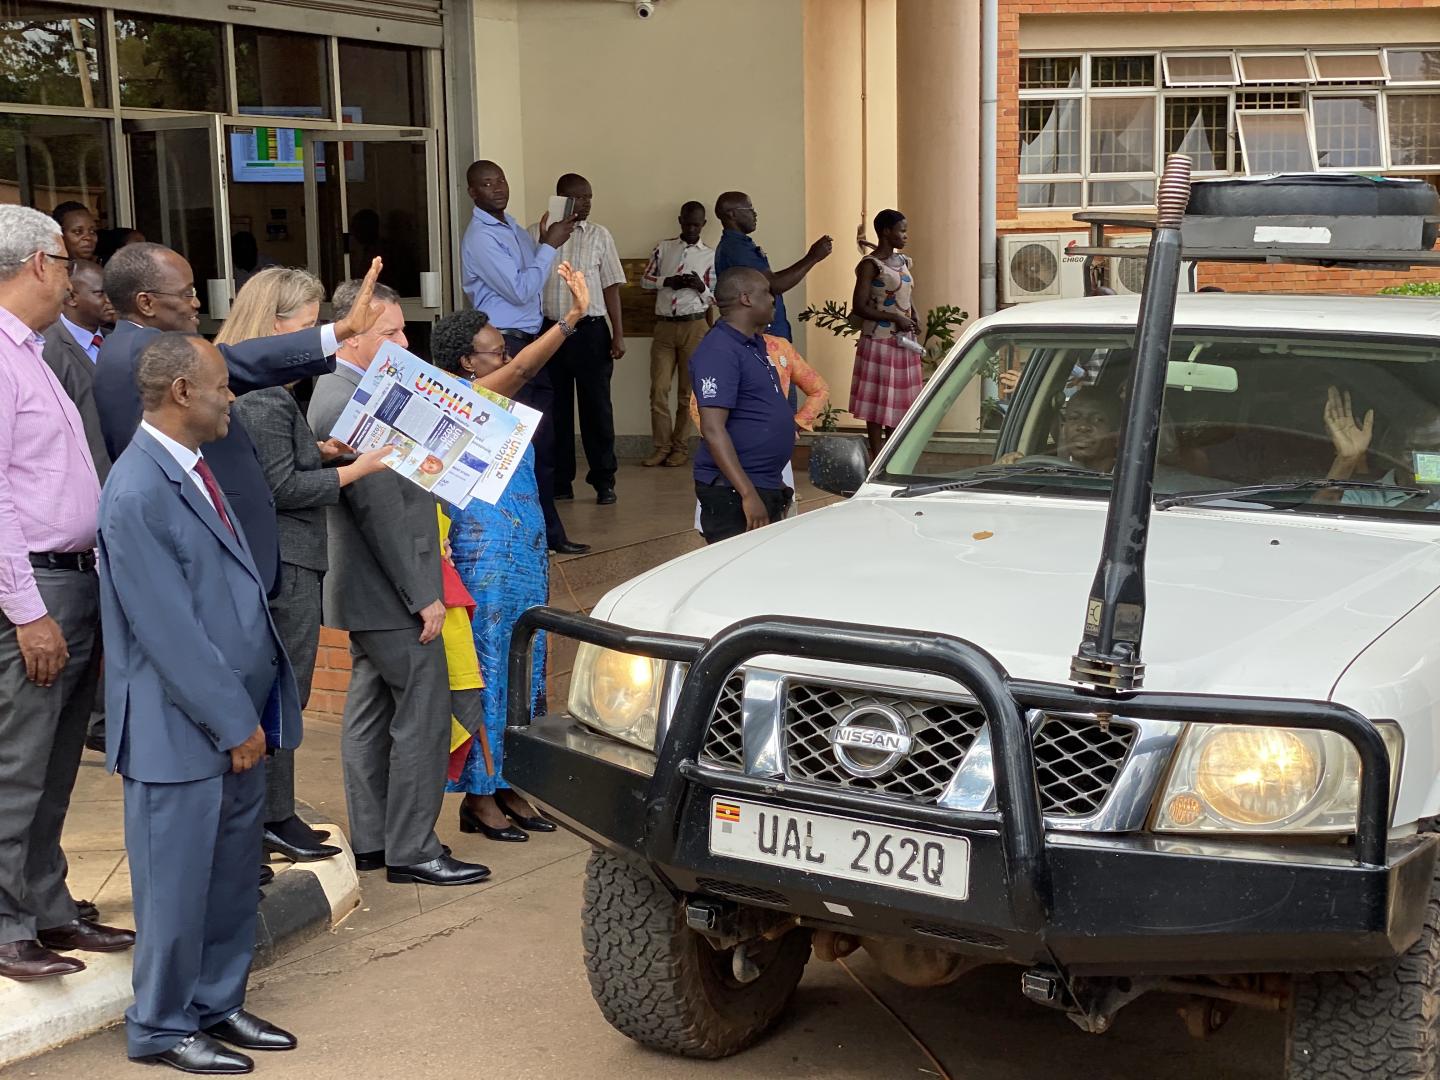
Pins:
x,y
746,426
737,214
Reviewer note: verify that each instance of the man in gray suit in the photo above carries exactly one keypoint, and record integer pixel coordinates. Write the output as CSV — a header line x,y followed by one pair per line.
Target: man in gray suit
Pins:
x,y
72,346
384,588
198,686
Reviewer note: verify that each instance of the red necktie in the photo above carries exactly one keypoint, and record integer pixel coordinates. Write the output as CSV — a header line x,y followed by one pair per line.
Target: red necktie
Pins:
x,y
208,479
97,340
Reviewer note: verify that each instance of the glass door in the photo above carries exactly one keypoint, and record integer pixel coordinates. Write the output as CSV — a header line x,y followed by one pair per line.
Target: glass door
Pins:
x,y
371,193
177,182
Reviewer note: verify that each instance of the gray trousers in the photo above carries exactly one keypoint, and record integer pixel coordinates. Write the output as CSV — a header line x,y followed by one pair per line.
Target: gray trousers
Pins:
x,y
395,743
296,611
42,735
193,848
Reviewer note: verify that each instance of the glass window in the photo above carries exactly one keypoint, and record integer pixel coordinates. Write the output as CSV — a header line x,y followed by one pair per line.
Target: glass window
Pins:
x,y
1347,131
47,160
1201,69
382,84
1275,142
1122,134
1275,67
1414,129
1035,195
1107,71
1049,73
1049,136
1198,127
49,55
1122,193
170,63
1349,67
1413,65
281,74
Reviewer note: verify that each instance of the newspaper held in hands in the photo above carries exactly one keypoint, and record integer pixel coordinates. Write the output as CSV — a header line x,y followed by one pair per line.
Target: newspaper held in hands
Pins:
x,y
455,441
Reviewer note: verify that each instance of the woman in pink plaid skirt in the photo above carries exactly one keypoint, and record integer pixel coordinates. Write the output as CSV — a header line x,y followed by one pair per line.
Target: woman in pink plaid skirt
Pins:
x,y
888,375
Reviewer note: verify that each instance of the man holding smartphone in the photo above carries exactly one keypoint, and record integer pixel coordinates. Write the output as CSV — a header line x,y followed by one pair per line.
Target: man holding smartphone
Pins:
x,y
582,369
503,271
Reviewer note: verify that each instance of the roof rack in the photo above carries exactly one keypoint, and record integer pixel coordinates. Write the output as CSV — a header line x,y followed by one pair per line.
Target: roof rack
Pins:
x,y
1357,241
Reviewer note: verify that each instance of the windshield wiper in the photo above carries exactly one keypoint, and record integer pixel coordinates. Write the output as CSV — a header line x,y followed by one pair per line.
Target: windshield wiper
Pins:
x,y
992,472
1185,498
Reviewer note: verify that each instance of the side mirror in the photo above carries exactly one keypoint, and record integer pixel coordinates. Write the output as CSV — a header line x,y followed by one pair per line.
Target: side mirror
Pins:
x,y
839,463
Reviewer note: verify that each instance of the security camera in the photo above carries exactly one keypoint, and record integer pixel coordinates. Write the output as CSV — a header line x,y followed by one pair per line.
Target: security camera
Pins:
x,y
644,9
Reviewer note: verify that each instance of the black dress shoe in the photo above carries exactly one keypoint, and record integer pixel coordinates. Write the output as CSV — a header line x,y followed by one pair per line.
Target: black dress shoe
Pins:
x,y
369,860
529,824
564,496
267,874
249,1032
298,852
470,823
569,547
201,1054
95,742
605,496
87,910
27,960
441,871
87,937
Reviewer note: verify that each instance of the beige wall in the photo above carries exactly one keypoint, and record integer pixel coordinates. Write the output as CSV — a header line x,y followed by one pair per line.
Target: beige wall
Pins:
x,y
850,166
706,95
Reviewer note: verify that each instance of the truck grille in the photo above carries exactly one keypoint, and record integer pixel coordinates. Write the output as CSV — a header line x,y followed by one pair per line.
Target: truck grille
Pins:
x,y
1077,759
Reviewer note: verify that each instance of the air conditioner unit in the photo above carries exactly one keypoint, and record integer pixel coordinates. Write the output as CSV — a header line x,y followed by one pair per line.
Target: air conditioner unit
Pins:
x,y
1127,276
1036,266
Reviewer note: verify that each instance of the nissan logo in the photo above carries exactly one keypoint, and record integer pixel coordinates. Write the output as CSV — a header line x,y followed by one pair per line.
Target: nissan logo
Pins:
x,y
871,740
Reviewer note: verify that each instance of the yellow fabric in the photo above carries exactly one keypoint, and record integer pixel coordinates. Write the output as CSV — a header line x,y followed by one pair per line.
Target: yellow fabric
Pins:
x,y
458,735
458,640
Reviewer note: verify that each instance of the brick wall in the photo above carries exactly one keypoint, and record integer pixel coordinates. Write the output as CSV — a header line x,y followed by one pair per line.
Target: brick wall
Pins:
x,y
1233,277
332,675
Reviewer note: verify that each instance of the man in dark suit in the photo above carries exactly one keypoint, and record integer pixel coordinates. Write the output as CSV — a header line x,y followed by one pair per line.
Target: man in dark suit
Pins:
x,y
198,687
72,347
384,588
153,289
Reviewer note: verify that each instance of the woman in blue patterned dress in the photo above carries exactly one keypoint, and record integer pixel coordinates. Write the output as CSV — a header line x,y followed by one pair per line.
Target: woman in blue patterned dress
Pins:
x,y
501,554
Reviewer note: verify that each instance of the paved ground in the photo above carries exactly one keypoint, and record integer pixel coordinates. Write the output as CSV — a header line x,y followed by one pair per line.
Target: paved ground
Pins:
x,y
441,983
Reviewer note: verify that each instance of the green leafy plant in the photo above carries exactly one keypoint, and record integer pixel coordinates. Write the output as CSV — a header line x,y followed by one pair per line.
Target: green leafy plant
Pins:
x,y
1413,288
829,419
833,316
941,324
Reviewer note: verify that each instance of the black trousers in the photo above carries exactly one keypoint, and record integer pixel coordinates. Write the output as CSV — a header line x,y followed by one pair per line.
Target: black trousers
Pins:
x,y
581,372
722,515
540,395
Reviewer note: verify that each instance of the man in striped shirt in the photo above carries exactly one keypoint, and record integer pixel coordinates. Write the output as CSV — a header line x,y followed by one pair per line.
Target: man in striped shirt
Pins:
x,y
681,272
582,369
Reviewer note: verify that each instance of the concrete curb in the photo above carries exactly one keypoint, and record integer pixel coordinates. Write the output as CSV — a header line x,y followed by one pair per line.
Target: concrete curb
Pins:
x,y
304,901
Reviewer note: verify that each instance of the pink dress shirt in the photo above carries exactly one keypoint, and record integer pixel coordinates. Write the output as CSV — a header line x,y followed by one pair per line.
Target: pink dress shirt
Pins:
x,y
49,492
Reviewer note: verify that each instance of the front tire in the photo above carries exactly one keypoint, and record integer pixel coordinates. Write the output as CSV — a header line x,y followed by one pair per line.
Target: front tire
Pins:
x,y
660,983
1381,1023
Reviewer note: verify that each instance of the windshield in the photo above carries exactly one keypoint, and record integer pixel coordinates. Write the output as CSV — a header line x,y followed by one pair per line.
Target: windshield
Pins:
x,y
1344,426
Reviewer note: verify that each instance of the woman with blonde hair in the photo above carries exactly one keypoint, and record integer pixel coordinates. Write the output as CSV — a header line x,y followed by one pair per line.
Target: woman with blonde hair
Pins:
x,y
305,476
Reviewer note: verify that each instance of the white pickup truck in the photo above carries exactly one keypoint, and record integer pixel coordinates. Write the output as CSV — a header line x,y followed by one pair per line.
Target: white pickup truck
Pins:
x,y
859,727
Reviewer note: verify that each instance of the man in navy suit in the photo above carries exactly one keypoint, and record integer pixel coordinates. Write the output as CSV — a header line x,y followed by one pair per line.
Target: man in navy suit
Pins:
x,y
153,289
197,686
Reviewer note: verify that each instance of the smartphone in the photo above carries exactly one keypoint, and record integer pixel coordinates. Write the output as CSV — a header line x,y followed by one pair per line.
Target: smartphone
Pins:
x,y
561,207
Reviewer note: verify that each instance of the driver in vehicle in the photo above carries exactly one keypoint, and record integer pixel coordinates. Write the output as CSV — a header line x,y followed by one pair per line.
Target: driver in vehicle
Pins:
x,y
1089,425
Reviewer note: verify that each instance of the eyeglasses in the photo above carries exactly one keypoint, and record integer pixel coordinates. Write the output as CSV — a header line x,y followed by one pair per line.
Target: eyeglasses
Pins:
x,y
188,294
487,352
66,259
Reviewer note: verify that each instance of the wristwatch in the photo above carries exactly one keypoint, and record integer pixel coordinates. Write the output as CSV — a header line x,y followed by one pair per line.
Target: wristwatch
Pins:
x,y
566,328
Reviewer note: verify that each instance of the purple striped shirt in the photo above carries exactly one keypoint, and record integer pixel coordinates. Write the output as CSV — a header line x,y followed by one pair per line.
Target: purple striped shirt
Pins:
x,y
49,492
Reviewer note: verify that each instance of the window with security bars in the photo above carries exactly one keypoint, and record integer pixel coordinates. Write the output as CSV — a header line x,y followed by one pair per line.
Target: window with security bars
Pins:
x,y
1094,127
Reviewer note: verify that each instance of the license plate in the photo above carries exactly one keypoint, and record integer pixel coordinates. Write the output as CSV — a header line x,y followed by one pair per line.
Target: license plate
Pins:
x,y
841,847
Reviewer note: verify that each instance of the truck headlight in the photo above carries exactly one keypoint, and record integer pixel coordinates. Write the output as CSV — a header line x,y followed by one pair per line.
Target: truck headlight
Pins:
x,y
617,694
1266,779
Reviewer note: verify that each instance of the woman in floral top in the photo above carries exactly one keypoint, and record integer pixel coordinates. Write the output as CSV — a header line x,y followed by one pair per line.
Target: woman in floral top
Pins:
x,y
888,375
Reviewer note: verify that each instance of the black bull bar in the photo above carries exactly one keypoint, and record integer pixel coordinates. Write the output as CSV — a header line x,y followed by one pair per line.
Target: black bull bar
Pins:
x,y
1017,817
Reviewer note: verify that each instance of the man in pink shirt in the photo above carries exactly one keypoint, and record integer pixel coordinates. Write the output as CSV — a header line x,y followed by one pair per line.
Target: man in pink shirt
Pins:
x,y
49,611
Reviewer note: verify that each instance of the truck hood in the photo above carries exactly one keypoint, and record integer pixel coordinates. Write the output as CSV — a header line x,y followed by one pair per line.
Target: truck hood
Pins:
x,y
1239,602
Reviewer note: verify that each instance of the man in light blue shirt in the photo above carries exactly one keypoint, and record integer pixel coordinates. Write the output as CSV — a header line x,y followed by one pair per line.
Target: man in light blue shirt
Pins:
x,y
503,272
85,309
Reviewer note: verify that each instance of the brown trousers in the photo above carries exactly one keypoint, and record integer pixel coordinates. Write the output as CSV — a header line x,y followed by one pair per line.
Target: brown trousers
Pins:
x,y
670,351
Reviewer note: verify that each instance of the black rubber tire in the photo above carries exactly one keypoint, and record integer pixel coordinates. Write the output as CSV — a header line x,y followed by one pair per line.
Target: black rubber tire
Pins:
x,y
660,983
1323,193
1382,1023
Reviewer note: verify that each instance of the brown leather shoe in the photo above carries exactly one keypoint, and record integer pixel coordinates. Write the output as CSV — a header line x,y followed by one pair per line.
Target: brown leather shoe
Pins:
x,y
26,960
87,936
676,458
657,458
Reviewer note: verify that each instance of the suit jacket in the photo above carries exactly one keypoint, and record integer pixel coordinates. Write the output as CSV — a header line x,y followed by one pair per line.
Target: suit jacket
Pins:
x,y
75,370
271,361
384,536
192,658
303,487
